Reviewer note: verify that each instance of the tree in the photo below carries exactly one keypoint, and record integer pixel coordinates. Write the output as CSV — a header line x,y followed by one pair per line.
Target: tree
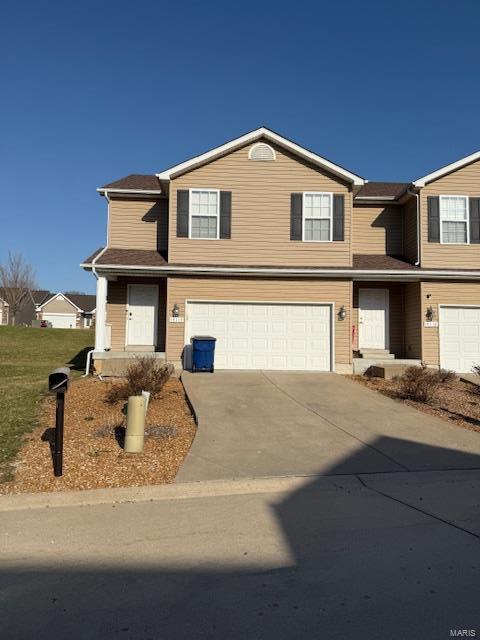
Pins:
x,y
17,279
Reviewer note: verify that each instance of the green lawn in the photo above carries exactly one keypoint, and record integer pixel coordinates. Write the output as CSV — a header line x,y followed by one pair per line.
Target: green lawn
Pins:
x,y
27,356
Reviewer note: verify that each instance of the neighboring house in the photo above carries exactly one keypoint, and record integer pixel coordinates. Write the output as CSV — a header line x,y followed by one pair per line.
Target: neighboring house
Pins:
x,y
3,312
72,311
291,261
27,312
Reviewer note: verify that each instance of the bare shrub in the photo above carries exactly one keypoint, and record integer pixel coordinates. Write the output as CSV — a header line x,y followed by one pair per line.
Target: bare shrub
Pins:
x,y
446,375
476,369
418,383
143,374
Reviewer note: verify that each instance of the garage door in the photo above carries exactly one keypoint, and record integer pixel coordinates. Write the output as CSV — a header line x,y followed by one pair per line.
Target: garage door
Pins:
x,y
61,320
265,336
459,338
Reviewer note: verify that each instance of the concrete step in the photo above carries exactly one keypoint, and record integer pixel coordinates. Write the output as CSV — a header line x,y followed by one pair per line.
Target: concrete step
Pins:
x,y
360,365
376,353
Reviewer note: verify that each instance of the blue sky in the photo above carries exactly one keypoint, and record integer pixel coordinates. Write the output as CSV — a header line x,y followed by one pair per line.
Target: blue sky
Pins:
x,y
93,91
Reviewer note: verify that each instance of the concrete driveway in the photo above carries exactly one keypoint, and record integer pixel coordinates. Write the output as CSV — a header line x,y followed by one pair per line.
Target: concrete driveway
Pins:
x,y
261,424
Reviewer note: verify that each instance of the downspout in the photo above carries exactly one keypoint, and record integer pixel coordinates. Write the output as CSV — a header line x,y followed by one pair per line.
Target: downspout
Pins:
x,y
94,271
419,230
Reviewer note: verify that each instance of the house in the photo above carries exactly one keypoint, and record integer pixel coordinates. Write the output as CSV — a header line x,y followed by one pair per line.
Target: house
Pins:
x,y
68,311
27,311
291,261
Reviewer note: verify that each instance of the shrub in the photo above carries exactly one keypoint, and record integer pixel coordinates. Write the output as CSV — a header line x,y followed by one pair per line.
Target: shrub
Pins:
x,y
418,383
445,375
143,374
476,369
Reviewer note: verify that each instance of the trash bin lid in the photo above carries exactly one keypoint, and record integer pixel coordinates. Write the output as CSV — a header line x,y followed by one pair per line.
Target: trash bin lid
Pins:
x,y
203,338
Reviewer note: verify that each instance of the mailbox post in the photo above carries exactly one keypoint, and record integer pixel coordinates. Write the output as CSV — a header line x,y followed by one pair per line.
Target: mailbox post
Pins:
x,y
58,383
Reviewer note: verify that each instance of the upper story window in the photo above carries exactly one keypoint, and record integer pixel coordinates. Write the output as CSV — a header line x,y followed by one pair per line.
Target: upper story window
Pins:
x,y
317,217
204,213
454,220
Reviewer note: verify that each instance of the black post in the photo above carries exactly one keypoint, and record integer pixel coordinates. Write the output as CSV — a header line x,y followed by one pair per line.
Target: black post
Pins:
x,y
58,451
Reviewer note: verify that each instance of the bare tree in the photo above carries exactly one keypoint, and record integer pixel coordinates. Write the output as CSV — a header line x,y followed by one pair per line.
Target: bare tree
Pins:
x,y
17,279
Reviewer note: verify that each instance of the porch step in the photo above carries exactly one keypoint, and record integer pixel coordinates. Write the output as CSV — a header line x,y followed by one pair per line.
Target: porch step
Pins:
x,y
360,365
376,353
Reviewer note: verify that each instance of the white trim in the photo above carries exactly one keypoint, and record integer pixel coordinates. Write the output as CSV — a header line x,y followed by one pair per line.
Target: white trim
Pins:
x,y
421,182
459,306
217,191
467,219
318,303
265,145
388,274
132,191
155,323
318,193
55,296
387,315
262,132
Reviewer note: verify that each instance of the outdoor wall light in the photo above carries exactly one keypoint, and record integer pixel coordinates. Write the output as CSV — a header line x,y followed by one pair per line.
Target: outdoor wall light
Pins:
x,y
175,310
342,313
430,314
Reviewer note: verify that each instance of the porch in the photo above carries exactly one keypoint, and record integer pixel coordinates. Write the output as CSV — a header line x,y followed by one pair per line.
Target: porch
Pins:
x,y
386,324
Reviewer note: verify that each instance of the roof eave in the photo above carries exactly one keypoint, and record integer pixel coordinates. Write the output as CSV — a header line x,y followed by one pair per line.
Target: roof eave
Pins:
x,y
453,166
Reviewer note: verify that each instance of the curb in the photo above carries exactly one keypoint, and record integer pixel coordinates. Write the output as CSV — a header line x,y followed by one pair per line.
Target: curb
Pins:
x,y
153,493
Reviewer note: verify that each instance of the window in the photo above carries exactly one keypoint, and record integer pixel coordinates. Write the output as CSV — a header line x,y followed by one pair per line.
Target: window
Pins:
x,y
317,217
454,220
88,321
204,213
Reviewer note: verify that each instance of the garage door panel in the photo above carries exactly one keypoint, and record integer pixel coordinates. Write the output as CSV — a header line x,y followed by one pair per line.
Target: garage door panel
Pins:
x,y
459,338
61,320
264,336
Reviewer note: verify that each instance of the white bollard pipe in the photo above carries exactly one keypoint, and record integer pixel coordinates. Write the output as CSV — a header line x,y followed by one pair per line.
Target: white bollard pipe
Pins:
x,y
135,431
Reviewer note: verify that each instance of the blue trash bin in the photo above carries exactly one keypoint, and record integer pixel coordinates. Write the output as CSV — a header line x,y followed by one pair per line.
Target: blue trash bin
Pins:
x,y
203,353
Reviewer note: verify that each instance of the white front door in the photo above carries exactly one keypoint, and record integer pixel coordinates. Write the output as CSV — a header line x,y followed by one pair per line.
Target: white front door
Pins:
x,y
373,318
142,314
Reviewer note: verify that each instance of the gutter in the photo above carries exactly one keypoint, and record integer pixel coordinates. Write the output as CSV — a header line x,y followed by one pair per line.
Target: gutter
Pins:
x,y
266,271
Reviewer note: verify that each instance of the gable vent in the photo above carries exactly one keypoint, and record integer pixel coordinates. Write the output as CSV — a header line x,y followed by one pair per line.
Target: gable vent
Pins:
x,y
261,151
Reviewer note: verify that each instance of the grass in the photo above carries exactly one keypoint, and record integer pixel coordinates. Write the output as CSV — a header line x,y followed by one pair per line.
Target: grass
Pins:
x,y
27,356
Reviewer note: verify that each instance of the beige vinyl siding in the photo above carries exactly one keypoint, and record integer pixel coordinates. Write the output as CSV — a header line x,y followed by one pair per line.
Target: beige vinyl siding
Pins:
x,y
456,293
117,310
59,306
410,244
181,289
377,229
413,320
463,182
260,213
138,224
396,314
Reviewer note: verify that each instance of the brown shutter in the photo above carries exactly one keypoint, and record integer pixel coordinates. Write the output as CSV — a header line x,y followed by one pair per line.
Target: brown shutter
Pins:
x,y
225,214
474,207
433,209
296,216
182,213
338,218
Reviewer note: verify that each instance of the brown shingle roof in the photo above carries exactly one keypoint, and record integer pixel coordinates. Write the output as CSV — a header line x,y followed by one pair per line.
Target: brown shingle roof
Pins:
x,y
84,301
135,182
134,257
374,261
382,190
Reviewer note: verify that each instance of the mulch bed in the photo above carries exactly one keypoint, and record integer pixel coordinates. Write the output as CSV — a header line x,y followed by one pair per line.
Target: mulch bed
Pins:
x,y
94,430
455,401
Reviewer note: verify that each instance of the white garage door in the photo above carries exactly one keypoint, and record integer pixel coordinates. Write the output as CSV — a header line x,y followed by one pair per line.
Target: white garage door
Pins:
x,y
264,336
459,338
61,320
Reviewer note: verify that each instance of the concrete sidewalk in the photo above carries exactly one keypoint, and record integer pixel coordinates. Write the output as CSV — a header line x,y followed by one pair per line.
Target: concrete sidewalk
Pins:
x,y
260,424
